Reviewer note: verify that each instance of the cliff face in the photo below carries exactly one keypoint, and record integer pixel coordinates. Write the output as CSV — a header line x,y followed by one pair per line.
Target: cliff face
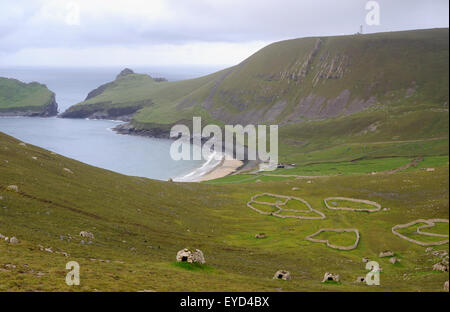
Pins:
x,y
26,99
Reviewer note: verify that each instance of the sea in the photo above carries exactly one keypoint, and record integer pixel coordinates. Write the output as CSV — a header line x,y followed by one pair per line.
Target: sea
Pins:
x,y
93,141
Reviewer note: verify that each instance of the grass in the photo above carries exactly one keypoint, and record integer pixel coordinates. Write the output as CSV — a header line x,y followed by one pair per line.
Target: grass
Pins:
x,y
193,267
140,224
347,168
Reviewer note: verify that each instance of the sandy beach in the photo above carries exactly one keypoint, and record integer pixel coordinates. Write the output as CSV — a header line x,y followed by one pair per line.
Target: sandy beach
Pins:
x,y
226,167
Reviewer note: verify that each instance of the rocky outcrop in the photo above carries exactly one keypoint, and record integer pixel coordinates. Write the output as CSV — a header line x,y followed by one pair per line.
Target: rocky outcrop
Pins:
x,y
50,109
129,129
96,111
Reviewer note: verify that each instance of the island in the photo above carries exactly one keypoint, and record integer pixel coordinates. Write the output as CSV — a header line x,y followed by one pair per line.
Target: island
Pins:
x,y
26,99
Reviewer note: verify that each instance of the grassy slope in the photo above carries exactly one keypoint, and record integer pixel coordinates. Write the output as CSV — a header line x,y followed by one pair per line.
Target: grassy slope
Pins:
x,y
406,72
128,215
19,96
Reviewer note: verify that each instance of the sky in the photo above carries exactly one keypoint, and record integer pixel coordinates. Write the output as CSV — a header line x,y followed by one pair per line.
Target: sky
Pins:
x,y
188,32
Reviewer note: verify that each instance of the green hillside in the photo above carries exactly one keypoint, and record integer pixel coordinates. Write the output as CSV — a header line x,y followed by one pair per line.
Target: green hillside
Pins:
x,y
330,95
32,99
140,224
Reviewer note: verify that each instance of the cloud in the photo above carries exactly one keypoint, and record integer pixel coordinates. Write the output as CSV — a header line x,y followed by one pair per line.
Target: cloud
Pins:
x,y
74,26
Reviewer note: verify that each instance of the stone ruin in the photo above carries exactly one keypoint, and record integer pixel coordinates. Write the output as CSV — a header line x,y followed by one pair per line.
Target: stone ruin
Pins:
x,y
440,267
189,256
282,275
87,234
361,279
386,253
331,277
261,236
13,240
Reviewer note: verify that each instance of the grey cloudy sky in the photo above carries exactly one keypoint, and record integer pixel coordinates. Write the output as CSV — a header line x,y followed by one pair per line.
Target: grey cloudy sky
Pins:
x,y
185,32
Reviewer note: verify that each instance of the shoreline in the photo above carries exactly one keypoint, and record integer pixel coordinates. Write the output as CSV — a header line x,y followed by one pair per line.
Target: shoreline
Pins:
x,y
223,169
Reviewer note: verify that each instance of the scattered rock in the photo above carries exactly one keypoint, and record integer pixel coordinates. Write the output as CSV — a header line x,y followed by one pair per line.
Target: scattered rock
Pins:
x,y
361,279
394,260
87,234
385,254
68,170
365,260
261,235
13,188
446,286
431,169
34,158
22,144
282,275
10,266
186,255
331,277
295,188
386,209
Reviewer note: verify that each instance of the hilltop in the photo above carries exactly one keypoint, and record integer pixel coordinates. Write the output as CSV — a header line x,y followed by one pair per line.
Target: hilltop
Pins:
x,y
119,99
26,99
328,94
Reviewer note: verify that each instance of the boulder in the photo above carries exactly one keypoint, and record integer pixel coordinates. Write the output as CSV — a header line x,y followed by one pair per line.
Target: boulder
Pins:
x,y
386,253
13,188
86,234
68,170
361,279
331,277
282,275
365,260
446,286
295,188
186,255
13,240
